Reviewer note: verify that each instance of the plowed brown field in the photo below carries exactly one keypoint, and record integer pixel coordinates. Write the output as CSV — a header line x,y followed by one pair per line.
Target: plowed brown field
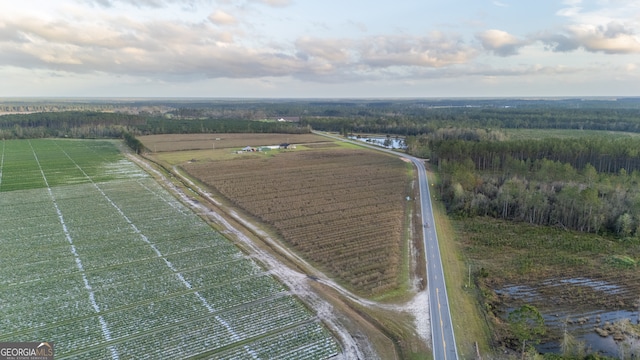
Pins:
x,y
343,209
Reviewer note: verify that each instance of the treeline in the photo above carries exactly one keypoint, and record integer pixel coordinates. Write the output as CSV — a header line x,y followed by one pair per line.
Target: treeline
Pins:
x,y
114,125
75,124
608,154
410,117
132,142
417,121
29,107
548,182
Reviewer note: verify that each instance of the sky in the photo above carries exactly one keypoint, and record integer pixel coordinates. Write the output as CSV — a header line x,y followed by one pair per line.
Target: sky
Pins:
x,y
319,49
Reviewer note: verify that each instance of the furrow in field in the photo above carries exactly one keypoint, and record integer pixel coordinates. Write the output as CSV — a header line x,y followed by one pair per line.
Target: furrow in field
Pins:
x,y
232,332
79,273
103,324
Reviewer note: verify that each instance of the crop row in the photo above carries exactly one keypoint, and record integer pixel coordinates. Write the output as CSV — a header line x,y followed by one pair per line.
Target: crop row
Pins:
x,y
116,257
221,272
317,242
66,336
32,271
341,209
263,317
156,314
306,342
241,292
308,191
282,211
313,182
19,303
346,247
138,290
23,160
212,332
204,256
336,220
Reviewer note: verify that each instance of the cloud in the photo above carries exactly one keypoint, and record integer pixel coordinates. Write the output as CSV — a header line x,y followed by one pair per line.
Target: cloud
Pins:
x,y
558,42
612,38
274,3
435,50
145,3
606,26
220,17
500,42
335,51
173,49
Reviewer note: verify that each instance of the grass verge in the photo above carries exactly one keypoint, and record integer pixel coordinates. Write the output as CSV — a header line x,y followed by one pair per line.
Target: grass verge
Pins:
x,y
469,325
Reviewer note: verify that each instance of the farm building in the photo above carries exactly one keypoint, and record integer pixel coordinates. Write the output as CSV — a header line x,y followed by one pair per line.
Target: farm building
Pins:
x,y
289,119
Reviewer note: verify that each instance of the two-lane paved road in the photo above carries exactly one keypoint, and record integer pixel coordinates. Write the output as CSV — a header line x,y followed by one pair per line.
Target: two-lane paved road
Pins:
x,y
442,336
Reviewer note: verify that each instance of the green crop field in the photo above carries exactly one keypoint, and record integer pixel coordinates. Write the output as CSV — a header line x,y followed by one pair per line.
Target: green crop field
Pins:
x,y
101,260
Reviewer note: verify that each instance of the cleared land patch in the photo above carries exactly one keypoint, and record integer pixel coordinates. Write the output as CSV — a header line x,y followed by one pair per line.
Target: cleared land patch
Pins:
x,y
341,208
101,260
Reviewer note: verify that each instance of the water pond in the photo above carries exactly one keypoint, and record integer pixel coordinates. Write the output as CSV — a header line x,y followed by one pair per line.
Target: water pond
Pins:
x,y
569,304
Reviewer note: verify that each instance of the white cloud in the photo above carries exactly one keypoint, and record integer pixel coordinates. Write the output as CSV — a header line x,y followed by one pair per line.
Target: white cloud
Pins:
x,y
146,3
274,3
500,42
613,38
435,50
220,17
174,49
189,41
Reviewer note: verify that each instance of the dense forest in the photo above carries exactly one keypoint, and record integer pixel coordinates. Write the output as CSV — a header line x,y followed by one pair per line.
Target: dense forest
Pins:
x,y
77,124
588,184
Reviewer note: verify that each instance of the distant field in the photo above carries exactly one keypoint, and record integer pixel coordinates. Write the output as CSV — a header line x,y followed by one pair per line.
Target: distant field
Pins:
x,y
99,259
342,208
181,142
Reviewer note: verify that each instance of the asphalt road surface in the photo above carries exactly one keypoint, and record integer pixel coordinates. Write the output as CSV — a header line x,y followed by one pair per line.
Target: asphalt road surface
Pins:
x,y
442,336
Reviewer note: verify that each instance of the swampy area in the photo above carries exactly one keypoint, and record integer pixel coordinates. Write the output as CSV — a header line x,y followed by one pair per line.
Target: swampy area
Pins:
x,y
585,286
